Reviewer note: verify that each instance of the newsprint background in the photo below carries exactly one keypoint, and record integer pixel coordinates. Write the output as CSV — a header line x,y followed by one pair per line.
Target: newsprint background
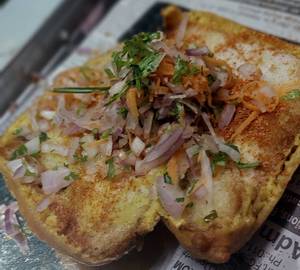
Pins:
x,y
277,244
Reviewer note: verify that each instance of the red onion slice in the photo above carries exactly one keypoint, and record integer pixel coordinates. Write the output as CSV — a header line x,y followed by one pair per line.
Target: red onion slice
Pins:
x,y
198,51
181,30
226,115
48,147
33,146
161,152
148,124
17,168
200,192
168,194
247,70
137,146
44,203
54,180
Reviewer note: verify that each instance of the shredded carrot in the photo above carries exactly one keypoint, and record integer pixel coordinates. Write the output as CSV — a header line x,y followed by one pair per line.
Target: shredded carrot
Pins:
x,y
172,169
131,101
245,124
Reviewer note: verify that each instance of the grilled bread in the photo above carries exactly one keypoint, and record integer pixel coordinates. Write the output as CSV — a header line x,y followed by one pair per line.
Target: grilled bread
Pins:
x,y
199,126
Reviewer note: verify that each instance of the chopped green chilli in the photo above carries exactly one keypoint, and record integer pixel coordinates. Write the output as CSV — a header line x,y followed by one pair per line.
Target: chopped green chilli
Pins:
x,y
110,168
43,137
250,165
179,200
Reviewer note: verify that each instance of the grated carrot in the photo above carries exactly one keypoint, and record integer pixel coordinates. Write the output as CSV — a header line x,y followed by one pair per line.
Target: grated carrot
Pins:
x,y
131,101
245,124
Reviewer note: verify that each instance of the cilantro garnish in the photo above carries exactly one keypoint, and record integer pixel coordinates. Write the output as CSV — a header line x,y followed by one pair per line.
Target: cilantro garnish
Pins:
x,y
109,73
106,134
123,111
138,57
177,110
211,216
218,159
183,68
250,165
80,158
167,179
81,90
111,168
180,199
294,94
19,152
43,137
71,176
30,173
17,131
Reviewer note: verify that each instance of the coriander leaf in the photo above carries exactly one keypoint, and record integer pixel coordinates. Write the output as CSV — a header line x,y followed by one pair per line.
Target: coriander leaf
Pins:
x,y
105,134
81,90
111,168
250,165
30,173
109,73
17,131
80,158
211,216
71,176
95,131
177,110
167,179
150,63
43,137
218,159
123,111
179,200
294,94
19,152
183,68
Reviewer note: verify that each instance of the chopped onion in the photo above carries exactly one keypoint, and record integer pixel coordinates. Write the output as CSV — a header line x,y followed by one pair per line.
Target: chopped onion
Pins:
x,y
148,124
11,226
44,203
190,105
17,168
117,87
168,194
247,70
180,96
106,147
161,152
131,122
206,176
47,114
48,147
267,91
226,115
200,192
198,51
175,88
145,108
222,76
44,125
192,151
54,180
260,105
137,146
232,153
172,52
33,146
181,30
72,150
209,143
123,141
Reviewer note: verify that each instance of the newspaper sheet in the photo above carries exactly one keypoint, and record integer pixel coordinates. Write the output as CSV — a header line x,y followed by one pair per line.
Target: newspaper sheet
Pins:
x,y
277,244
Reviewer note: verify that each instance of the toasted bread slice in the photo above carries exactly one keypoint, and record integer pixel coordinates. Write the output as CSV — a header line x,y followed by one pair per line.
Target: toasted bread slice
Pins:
x,y
94,221
243,199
